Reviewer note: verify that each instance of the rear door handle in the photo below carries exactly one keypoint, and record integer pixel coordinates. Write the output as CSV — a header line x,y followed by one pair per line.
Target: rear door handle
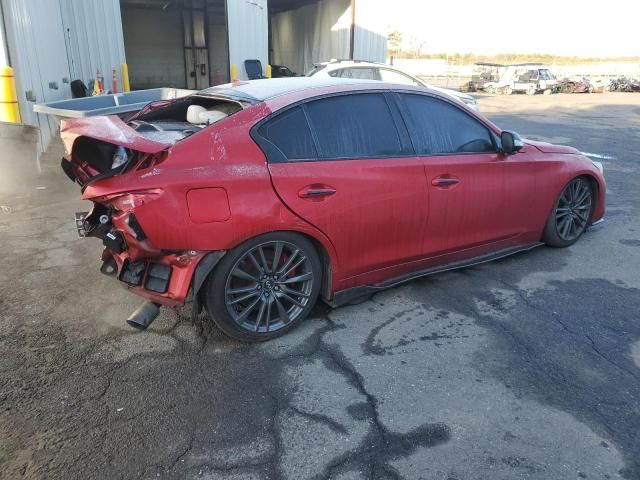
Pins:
x,y
316,191
444,181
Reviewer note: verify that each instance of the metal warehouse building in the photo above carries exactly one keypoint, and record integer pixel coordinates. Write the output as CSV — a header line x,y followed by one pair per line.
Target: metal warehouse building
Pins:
x,y
172,43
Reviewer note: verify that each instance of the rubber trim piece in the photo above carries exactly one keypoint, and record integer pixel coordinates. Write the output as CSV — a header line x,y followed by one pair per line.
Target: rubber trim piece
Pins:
x,y
343,297
204,268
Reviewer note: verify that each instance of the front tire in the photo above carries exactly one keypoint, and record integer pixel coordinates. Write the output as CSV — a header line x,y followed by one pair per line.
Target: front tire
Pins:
x,y
570,215
264,287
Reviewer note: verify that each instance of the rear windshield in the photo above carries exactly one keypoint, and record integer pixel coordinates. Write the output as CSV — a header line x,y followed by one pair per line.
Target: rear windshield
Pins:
x,y
180,119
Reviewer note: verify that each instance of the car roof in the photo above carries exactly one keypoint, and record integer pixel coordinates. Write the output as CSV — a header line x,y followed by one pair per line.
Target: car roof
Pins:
x,y
336,64
255,91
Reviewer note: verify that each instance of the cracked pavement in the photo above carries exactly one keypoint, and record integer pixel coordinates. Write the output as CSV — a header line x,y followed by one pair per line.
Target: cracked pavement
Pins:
x,y
524,368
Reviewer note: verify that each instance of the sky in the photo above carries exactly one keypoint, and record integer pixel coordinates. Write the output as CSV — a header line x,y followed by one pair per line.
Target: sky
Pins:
x,y
568,27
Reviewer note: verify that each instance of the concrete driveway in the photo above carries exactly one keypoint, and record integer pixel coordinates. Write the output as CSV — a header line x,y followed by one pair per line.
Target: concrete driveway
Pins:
x,y
525,368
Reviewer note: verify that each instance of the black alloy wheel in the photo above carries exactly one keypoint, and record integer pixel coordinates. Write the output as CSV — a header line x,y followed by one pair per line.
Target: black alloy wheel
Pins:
x,y
265,287
571,214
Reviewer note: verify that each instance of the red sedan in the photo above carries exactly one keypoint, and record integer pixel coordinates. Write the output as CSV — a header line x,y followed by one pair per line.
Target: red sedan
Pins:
x,y
256,198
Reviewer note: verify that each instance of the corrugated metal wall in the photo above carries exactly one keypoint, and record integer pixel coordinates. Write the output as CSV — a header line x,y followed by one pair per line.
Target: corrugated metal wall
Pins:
x,y
93,35
371,33
312,33
38,54
52,42
321,31
248,32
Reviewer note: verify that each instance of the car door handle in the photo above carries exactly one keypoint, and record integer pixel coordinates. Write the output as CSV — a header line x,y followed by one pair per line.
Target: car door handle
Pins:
x,y
316,191
444,181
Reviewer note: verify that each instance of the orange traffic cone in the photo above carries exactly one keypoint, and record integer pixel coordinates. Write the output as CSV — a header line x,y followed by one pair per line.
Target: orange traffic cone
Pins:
x,y
98,88
114,87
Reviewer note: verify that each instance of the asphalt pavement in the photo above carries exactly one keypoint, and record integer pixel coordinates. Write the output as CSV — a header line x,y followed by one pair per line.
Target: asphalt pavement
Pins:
x,y
524,368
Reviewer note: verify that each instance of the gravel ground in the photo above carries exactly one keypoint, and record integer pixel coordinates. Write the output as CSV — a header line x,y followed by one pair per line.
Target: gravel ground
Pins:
x,y
525,368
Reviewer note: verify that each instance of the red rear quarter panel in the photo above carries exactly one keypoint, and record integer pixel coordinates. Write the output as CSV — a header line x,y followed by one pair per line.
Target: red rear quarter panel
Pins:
x,y
222,156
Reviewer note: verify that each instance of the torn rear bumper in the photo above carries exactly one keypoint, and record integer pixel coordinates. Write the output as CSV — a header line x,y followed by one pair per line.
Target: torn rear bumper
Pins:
x,y
164,280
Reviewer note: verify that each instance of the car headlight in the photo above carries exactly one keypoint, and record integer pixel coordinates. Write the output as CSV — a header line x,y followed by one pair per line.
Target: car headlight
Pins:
x,y
599,166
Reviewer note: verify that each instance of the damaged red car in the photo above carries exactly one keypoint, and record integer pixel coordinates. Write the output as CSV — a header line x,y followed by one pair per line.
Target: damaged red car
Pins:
x,y
254,199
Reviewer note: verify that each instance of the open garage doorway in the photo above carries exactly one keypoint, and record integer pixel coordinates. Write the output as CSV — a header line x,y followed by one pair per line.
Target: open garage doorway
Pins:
x,y
305,32
175,43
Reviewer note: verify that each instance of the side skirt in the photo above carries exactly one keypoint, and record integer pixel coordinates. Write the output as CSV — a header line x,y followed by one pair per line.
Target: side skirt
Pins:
x,y
344,297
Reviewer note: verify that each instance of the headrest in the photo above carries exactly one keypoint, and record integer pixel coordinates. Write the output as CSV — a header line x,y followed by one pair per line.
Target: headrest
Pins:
x,y
198,115
193,114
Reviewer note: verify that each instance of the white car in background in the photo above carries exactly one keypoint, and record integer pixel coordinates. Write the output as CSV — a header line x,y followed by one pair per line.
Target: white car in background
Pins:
x,y
384,73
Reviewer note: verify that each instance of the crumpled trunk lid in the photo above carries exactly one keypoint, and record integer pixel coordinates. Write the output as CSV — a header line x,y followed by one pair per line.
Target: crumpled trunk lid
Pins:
x,y
91,143
109,129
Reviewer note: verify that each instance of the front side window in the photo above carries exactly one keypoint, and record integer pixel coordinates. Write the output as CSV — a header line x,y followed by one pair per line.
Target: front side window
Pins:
x,y
354,126
392,76
290,134
438,127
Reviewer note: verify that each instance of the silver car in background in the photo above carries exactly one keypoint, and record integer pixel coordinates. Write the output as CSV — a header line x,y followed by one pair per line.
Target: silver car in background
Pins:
x,y
384,73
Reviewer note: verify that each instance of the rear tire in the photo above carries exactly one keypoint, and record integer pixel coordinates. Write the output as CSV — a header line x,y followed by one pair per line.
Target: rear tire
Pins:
x,y
264,287
570,215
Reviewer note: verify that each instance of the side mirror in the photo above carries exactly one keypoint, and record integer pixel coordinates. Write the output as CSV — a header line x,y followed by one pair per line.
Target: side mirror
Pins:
x,y
511,142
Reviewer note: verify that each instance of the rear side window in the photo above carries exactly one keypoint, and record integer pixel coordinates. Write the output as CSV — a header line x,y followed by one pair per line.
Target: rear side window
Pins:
x,y
289,132
440,128
361,73
354,126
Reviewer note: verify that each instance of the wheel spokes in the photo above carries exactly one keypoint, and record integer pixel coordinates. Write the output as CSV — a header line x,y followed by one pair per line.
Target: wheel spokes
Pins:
x,y
248,310
263,305
258,281
572,211
292,300
295,292
243,298
238,272
292,268
282,312
237,291
288,262
277,253
299,278
263,259
268,316
255,262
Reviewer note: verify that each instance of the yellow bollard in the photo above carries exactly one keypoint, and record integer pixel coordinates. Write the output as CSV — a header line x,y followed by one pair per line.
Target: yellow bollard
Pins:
x,y
234,72
267,71
9,108
125,78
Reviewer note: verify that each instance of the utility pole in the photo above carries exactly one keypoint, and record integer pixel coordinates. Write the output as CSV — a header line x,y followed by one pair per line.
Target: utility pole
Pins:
x,y
352,37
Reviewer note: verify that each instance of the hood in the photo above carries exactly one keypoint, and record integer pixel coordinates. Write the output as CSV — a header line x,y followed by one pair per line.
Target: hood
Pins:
x,y
109,129
545,147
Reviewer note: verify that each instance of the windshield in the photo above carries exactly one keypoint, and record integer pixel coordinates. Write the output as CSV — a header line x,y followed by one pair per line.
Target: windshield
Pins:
x,y
546,75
